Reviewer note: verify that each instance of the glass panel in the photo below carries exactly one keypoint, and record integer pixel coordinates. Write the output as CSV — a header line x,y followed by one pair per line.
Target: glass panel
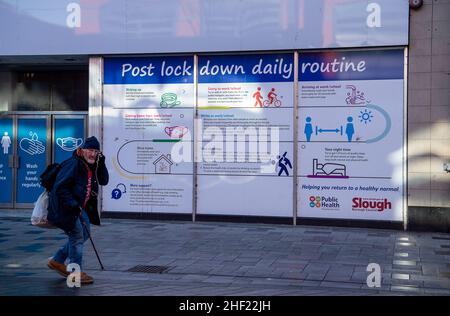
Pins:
x,y
31,91
5,90
70,91
65,90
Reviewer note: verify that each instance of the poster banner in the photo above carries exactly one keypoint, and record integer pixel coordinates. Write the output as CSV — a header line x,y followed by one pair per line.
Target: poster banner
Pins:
x,y
245,109
148,109
351,135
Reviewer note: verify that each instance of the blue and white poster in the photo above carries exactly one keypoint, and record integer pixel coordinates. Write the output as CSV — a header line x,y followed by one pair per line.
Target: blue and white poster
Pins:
x,y
149,113
351,135
245,134
6,172
32,152
69,135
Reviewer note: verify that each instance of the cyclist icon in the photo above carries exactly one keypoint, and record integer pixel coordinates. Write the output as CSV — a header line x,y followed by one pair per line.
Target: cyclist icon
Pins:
x,y
272,99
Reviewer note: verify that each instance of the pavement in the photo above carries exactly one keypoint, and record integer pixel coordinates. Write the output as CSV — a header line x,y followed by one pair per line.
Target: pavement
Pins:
x,y
226,259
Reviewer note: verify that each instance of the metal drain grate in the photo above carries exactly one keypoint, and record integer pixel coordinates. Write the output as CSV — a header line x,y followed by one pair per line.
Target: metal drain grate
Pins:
x,y
445,274
149,269
440,238
317,232
442,253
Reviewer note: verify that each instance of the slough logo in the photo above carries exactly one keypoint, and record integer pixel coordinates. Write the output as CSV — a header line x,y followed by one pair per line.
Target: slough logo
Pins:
x,y
370,204
314,201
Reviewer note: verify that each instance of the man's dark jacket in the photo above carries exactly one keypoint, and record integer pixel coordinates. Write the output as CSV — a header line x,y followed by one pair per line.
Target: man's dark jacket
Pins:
x,y
69,192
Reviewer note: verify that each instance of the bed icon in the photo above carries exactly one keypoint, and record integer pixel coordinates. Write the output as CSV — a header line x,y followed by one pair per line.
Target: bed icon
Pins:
x,y
328,170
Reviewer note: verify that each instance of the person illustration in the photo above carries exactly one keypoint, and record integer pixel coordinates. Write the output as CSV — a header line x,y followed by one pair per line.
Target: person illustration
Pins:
x,y
282,163
351,97
6,142
258,97
355,97
349,129
271,95
308,129
360,97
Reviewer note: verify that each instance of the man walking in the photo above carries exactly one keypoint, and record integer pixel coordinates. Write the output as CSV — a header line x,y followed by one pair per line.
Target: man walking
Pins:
x,y
73,203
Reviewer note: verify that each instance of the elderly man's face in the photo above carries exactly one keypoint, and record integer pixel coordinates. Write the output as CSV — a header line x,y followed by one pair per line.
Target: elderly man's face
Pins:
x,y
90,155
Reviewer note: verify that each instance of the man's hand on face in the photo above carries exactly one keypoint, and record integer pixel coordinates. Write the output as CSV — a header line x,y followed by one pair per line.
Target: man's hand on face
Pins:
x,y
101,158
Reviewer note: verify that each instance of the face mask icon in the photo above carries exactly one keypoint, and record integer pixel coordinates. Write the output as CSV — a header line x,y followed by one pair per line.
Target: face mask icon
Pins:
x,y
69,143
176,131
169,100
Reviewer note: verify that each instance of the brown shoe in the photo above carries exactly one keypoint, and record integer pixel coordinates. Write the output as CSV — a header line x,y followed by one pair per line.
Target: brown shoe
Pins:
x,y
86,279
58,267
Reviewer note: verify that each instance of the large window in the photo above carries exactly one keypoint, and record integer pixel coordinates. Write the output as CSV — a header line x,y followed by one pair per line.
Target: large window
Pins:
x,y
64,90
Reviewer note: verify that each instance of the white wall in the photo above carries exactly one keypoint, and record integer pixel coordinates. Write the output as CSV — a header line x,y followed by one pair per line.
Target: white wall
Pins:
x,y
162,26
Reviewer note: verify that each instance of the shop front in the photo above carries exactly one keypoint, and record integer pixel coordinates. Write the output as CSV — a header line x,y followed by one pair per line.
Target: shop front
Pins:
x,y
294,112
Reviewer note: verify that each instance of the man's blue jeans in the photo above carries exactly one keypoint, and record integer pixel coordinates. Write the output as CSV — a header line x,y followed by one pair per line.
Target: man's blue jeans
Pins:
x,y
73,249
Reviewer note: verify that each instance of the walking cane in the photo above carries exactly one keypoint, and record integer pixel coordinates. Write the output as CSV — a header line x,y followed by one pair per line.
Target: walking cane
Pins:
x,y
93,246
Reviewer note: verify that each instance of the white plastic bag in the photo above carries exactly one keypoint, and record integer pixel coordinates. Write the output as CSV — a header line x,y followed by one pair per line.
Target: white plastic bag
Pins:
x,y
39,215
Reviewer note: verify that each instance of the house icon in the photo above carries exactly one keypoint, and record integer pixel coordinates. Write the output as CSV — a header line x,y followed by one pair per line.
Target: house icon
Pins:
x,y
163,164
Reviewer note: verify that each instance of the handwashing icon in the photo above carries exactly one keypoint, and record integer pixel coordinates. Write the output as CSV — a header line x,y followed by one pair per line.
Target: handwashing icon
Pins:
x,y
32,146
169,100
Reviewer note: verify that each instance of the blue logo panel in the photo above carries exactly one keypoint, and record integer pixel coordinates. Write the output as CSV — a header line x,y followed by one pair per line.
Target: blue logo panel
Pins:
x,y
69,135
6,173
149,70
364,65
31,148
246,68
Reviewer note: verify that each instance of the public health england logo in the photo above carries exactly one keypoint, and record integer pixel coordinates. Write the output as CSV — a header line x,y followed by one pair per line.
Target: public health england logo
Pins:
x,y
314,201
